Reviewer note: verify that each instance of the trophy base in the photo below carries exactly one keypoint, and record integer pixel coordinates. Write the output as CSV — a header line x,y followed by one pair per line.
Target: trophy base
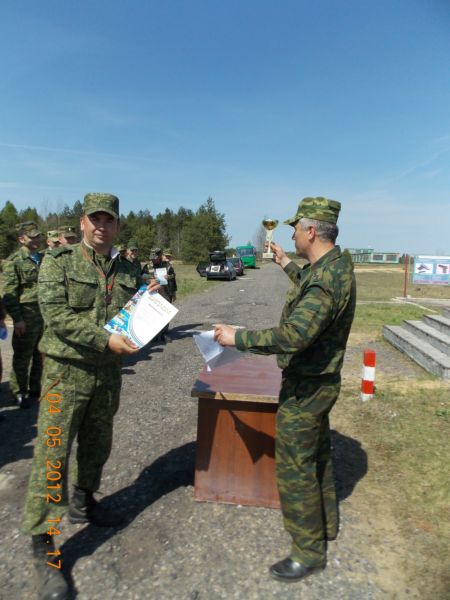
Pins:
x,y
269,255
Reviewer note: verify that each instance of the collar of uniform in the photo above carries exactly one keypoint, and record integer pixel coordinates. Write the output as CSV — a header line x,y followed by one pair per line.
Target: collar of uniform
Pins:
x,y
327,257
92,253
26,252
89,249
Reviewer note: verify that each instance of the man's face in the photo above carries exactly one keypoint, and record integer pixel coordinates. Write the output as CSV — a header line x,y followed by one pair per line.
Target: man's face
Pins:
x,y
157,260
52,244
133,254
67,241
99,230
32,243
301,239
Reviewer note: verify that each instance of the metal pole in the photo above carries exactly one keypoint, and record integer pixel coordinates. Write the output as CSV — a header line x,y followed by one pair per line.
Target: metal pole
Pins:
x,y
406,276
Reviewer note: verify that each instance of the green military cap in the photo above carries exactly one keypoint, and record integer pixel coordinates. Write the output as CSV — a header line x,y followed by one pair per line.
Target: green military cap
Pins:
x,y
121,247
319,208
168,251
132,245
95,202
52,235
67,231
28,228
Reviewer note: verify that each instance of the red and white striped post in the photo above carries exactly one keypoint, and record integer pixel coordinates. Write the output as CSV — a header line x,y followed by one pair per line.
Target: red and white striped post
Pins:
x,y
368,375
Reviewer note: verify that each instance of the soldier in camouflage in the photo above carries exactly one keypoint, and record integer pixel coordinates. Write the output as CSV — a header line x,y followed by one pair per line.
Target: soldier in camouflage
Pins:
x,y
67,235
133,255
172,281
149,273
81,287
52,239
309,343
20,272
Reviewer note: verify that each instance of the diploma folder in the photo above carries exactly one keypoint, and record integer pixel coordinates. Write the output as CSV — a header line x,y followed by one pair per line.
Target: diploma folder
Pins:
x,y
142,317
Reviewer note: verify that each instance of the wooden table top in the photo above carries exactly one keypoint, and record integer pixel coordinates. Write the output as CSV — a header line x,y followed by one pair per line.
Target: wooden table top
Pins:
x,y
250,378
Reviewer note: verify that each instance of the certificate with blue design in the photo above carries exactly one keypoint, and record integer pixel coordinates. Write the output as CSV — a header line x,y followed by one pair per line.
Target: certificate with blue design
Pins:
x,y
142,317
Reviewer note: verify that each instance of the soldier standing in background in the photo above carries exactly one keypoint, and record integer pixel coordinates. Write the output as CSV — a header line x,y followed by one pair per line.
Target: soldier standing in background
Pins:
x,y
81,287
53,239
133,255
67,235
20,272
309,343
162,271
122,250
172,282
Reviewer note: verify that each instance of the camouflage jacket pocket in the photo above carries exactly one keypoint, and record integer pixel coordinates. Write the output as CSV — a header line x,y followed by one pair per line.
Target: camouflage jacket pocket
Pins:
x,y
124,288
82,290
29,275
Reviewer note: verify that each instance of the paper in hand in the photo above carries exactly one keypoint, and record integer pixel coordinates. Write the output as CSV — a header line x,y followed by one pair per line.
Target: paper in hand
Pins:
x,y
213,353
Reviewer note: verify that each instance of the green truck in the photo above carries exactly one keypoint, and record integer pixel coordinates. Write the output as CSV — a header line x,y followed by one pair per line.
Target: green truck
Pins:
x,y
247,254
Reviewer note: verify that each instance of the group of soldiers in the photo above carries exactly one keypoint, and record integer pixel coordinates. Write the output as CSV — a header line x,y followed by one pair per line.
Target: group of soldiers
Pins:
x,y
82,286
20,299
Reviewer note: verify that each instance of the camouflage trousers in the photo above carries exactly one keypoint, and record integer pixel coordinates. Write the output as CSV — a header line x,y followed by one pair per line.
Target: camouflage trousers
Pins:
x,y
27,361
77,401
303,466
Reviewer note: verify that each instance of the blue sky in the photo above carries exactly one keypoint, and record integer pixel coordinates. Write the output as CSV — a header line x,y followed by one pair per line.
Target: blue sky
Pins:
x,y
254,103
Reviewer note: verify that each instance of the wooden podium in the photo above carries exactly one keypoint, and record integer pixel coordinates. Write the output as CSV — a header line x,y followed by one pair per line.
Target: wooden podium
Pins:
x,y
237,404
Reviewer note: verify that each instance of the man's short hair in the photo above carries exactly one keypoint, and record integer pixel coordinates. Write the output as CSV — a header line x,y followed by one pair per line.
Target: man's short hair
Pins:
x,y
326,232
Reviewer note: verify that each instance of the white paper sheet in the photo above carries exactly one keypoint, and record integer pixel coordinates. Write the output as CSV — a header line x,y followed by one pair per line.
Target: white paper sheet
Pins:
x,y
213,353
161,275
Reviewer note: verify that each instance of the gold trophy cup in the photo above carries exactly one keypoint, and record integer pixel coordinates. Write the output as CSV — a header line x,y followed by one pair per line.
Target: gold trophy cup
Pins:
x,y
269,225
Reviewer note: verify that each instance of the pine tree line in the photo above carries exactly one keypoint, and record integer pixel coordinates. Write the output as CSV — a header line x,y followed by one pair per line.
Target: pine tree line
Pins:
x,y
190,235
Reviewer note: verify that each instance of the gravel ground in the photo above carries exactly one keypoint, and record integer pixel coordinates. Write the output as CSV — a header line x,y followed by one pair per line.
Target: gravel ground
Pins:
x,y
172,546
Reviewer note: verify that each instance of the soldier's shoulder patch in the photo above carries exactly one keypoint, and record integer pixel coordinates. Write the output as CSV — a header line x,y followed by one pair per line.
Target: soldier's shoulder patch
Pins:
x,y
61,250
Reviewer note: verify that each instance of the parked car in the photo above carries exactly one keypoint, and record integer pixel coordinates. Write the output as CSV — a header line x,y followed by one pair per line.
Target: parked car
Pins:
x,y
202,268
220,267
238,265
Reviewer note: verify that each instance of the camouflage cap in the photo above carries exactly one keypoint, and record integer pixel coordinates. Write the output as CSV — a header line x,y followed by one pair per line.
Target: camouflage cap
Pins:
x,y
155,253
67,231
95,202
53,235
168,252
319,208
28,228
121,247
132,245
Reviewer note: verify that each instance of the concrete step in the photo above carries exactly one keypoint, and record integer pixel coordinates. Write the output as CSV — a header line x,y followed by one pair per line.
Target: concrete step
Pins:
x,y
446,313
439,322
433,336
428,357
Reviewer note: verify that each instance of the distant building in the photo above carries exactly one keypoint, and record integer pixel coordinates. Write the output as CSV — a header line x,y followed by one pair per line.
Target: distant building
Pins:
x,y
370,256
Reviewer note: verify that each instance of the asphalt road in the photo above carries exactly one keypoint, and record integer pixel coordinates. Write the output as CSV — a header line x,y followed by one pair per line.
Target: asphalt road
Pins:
x,y
174,547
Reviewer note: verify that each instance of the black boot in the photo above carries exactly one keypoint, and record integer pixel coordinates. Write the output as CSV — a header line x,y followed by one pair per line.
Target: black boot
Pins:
x,y
51,585
23,400
84,508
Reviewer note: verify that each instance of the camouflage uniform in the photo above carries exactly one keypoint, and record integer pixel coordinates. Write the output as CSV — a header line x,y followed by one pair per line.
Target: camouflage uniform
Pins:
x,y
166,290
132,245
20,272
79,291
309,343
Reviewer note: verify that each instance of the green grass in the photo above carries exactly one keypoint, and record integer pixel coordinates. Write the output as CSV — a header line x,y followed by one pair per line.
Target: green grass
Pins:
x,y
378,282
190,282
405,430
370,318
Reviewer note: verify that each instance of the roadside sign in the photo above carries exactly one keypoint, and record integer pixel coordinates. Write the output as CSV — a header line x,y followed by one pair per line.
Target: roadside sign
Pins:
x,y
432,269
